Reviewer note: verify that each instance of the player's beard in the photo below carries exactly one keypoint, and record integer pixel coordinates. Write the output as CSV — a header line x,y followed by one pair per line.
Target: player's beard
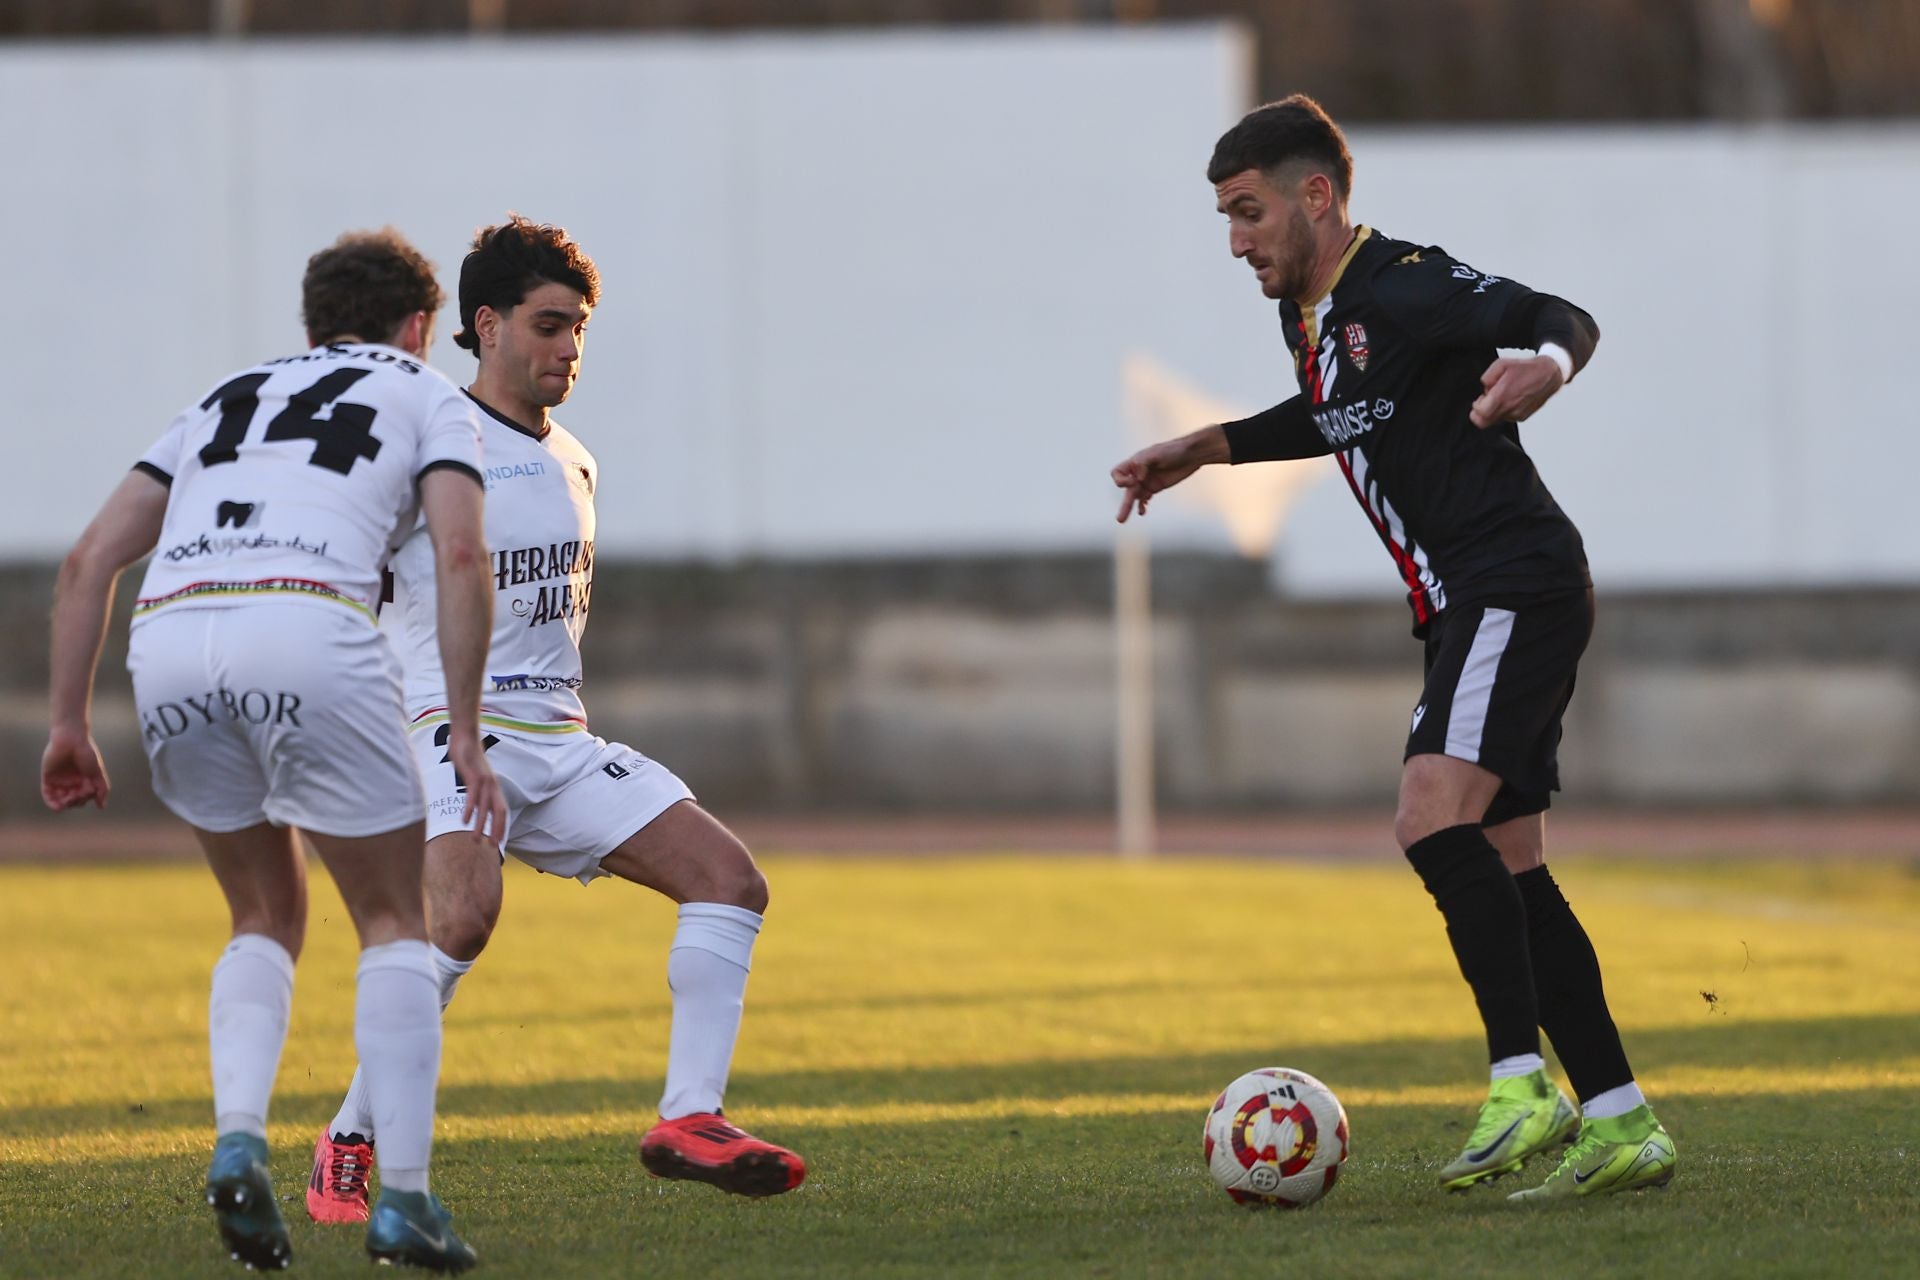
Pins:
x,y
1299,256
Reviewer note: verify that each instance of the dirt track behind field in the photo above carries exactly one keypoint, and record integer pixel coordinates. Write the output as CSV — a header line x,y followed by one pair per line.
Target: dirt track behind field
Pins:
x,y
88,838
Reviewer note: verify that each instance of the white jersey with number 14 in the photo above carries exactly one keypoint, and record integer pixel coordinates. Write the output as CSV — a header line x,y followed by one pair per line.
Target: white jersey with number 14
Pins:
x,y
295,479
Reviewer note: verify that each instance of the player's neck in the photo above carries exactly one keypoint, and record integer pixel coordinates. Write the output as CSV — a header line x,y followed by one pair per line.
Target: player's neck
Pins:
x,y
1335,240
504,401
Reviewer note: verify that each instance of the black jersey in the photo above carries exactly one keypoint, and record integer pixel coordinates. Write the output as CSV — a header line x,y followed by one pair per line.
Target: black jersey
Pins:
x,y
1389,361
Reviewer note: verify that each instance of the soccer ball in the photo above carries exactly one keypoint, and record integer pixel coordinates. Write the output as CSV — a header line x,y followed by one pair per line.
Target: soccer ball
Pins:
x,y
1276,1138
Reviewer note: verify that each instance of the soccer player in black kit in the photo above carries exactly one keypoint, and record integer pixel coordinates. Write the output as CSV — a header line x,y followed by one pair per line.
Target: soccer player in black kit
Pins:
x,y
1394,346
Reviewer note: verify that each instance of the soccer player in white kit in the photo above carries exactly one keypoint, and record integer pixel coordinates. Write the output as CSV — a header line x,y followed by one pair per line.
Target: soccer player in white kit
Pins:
x,y
269,699
576,805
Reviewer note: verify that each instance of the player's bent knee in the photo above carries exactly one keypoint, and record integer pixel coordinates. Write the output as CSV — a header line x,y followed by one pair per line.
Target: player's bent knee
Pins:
x,y
750,890
729,876
462,934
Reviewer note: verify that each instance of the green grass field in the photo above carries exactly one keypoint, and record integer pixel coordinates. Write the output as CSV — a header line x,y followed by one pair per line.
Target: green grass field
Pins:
x,y
1000,1067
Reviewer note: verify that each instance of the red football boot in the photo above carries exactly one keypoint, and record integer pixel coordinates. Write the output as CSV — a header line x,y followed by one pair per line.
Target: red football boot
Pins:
x,y
337,1191
707,1147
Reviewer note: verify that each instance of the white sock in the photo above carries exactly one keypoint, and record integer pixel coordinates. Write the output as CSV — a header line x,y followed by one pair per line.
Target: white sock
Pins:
x,y
246,1027
396,1028
1520,1064
356,1109
1613,1102
707,973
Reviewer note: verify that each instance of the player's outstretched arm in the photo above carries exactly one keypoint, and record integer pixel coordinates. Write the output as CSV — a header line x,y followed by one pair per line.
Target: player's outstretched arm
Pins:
x,y
451,499
1283,433
126,528
1162,466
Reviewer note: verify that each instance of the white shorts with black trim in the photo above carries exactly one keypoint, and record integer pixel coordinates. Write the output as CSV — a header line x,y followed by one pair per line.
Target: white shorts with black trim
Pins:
x,y
284,712
572,798
1498,684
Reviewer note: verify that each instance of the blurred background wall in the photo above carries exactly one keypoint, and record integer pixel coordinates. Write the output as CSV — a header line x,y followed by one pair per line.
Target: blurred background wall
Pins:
x,y
858,375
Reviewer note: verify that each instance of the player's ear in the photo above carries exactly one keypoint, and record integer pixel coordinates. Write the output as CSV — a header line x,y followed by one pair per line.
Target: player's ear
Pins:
x,y
1316,192
486,325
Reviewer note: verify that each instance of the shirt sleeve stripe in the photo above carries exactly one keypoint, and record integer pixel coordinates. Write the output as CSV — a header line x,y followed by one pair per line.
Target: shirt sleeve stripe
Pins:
x,y
147,467
448,464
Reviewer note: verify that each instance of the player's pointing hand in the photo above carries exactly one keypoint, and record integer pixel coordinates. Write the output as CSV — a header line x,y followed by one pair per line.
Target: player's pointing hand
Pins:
x,y
1515,389
1154,468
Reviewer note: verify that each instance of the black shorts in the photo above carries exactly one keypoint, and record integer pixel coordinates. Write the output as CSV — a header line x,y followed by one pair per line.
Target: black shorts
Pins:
x,y
1498,682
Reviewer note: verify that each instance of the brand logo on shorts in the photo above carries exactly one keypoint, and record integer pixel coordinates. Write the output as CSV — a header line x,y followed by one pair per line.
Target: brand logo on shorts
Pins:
x,y
166,720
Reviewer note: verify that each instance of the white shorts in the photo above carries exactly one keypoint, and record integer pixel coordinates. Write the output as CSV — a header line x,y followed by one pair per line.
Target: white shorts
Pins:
x,y
285,713
572,798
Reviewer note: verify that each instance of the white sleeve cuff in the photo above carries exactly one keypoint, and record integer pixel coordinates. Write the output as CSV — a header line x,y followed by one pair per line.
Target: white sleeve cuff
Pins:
x,y
1560,356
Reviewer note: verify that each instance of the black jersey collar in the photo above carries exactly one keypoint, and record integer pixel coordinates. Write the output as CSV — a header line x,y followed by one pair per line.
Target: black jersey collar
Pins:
x,y
505,421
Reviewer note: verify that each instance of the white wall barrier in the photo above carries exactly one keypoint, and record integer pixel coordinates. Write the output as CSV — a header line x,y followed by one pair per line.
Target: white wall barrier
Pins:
x,y
873,293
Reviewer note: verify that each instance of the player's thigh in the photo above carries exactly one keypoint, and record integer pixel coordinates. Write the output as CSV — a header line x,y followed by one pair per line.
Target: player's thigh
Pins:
x,y
264,878
464,892
586,796
690,856
380,879
1437,792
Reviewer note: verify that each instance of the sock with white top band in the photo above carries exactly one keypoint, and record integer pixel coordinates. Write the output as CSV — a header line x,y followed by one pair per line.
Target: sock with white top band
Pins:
x,y
356,1109
396,1028
1522,1064
707,973
247,1014
1614,1102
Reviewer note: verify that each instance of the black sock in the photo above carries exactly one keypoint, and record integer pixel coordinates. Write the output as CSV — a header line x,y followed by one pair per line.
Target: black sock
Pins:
x,y
1573,1005
1488,928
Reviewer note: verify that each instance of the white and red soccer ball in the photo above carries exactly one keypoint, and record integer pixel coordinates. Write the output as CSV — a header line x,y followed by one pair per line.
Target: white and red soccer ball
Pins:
x,y
1276,1138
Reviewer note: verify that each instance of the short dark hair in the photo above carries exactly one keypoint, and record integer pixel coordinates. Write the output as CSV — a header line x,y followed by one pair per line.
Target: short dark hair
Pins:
x,y
511,260
1295,128
366,284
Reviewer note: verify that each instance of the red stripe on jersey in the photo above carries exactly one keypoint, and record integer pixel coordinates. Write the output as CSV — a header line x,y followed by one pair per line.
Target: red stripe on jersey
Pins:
x,y
1409,571
1417,594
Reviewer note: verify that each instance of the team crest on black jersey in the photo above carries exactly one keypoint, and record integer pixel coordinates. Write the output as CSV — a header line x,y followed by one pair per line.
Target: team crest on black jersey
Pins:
x,y
1357,346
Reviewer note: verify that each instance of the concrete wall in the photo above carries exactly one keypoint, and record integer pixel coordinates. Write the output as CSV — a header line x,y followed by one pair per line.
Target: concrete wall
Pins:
x,y
871,294
956,684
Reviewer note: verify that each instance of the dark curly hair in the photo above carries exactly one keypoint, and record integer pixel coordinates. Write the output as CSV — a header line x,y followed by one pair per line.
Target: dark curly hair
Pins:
x,y
1295,128
365,285
512,259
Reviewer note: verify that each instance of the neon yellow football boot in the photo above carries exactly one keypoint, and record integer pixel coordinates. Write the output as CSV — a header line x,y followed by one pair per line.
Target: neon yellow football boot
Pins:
x,y
1523,1115
1621,1153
